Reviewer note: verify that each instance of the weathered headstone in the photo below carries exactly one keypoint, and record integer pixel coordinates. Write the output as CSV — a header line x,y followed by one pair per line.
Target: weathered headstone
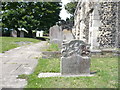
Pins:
x,y
56,35
14,33
75,58
67,35
21,33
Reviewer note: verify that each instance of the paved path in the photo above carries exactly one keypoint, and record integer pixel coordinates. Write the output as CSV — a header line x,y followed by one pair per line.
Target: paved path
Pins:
x,y
21,60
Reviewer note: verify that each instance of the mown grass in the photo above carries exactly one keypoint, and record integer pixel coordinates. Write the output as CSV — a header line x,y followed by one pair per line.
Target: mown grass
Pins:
x,y
106,75
8,43
53,47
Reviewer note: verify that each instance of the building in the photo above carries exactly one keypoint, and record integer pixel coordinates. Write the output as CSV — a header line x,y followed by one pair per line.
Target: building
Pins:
x,y
97,23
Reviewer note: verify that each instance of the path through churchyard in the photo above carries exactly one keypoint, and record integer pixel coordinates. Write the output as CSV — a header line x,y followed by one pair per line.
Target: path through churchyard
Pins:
x,y
21,60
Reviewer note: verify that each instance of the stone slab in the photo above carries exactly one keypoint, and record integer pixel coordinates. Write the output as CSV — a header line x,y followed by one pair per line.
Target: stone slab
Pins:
x,y
44,75
75,65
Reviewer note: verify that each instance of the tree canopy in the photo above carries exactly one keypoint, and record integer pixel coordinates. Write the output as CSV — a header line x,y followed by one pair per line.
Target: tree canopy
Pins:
x,y
71,6
30,15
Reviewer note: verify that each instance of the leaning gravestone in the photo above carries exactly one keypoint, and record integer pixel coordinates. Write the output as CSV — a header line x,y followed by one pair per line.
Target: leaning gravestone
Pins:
x,y
75,58
55,34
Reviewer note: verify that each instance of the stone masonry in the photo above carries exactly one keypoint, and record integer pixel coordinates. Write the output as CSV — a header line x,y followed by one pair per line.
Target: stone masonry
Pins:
x,y
97,23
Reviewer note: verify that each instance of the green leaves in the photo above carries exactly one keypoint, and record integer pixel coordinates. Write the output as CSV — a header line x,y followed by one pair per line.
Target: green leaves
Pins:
x,y
30,15
70,7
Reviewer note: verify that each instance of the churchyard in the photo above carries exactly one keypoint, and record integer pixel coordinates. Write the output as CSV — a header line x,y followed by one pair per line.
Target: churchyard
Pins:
x,y
67,64
84,56
48,72
104,69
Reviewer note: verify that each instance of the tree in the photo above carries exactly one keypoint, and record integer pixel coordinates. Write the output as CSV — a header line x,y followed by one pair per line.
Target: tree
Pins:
x,y
71,6
30,15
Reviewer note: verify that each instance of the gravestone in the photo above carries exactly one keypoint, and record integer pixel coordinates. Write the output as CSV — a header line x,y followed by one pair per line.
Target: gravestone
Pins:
x,y
21,33
14,33
56,35
67,35
75,58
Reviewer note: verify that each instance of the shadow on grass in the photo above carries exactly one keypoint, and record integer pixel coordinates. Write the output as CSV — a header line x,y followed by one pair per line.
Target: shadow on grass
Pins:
x,y
42,38
93,72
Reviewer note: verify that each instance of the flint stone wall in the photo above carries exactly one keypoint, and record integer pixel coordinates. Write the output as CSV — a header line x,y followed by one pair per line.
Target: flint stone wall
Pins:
x,y
98,23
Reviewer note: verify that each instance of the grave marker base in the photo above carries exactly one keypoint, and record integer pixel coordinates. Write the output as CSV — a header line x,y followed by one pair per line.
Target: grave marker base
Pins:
x,y
44,75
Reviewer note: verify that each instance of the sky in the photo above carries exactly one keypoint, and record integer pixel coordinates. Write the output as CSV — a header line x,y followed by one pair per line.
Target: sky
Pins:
x,y
63,13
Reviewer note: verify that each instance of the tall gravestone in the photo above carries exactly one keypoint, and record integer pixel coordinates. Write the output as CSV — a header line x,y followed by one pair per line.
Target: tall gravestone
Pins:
x,y
56,35
75,58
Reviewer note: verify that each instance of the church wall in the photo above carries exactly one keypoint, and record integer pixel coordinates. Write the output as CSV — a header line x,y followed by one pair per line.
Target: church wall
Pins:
x,y
98,24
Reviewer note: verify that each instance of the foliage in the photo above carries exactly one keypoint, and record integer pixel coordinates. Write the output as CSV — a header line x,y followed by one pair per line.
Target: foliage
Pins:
x,y
68,24
9,42
71,6
106,75
30,15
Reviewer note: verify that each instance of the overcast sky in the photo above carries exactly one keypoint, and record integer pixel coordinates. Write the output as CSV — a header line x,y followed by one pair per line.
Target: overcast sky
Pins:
x,y
63,13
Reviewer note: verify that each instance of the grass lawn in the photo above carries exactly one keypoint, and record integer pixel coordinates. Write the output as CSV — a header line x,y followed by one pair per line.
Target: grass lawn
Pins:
x,y
53,47
9,42
106,75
